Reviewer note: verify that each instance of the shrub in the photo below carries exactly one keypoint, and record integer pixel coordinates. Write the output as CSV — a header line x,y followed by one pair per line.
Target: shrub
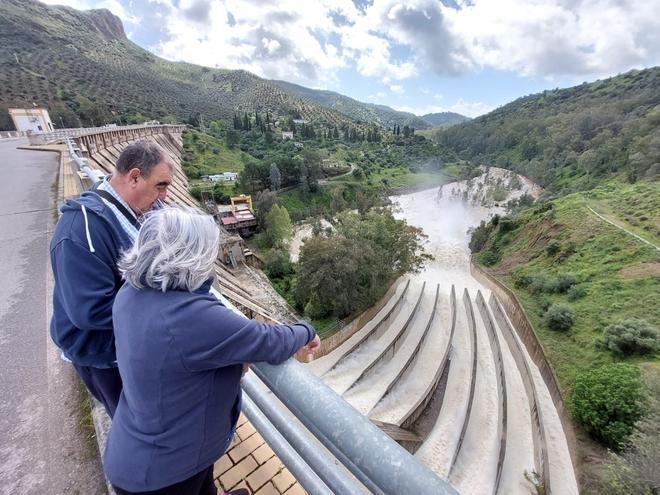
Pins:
x,y
540,282
607,402
278,263
480,235
576,292
489,258
564,282
560,317
629,337
553,247
507,224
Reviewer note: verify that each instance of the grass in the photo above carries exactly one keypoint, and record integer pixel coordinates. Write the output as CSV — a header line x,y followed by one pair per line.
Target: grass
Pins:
x,y
616,270
204,154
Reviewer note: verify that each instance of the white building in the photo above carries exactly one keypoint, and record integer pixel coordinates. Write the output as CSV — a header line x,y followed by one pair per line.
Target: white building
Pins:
x,y
287,134
31,119
223,177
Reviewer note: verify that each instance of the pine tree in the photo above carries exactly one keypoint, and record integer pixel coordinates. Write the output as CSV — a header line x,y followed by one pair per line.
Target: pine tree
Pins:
x,y
275,177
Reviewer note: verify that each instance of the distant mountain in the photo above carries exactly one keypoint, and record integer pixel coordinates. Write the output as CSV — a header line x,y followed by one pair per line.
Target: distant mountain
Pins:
x,y
357,110
574,138
83,68
444,119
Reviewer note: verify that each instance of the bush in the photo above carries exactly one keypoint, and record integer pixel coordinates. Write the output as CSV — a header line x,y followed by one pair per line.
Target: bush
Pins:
x,y
607,402
629,337
576,292
560,317
489,258
507,224
278,263
540,282
564,282
553,247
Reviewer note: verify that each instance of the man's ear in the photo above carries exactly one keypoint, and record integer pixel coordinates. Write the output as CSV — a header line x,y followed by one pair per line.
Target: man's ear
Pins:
x,y
133,175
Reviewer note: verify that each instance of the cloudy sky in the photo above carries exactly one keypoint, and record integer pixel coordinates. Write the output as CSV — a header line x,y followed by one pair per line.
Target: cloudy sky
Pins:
x,y
467,56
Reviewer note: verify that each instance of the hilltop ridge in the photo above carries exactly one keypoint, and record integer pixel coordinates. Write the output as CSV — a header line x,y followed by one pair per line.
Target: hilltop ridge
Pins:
x,y
81,65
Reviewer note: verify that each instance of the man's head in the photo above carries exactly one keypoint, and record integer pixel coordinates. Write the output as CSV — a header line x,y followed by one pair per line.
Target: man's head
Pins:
x,y
143,174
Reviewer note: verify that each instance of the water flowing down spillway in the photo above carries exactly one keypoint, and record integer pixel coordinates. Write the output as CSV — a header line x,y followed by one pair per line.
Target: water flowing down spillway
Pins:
x,y
436,353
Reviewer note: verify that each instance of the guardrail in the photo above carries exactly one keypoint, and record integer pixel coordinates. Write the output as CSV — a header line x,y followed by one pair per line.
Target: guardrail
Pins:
x,y
314,430
36,138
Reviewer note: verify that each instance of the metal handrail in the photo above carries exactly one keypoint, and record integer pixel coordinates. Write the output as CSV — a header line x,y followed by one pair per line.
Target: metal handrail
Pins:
x,y
94,175
370,454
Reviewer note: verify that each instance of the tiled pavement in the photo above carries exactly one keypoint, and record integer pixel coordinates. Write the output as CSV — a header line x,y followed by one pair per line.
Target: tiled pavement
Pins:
x,y
250,463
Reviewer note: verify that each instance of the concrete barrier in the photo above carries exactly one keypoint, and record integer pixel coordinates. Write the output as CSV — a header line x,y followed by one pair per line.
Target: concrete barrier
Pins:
x,y
526,332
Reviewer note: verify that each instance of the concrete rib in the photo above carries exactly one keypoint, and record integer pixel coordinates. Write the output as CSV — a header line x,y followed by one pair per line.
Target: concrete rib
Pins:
x,y
476,467
376,382
559,473
517,353
352,367
438,451
324,364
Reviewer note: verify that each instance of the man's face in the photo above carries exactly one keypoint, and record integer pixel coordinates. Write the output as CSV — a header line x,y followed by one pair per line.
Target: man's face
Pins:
x,y
148,190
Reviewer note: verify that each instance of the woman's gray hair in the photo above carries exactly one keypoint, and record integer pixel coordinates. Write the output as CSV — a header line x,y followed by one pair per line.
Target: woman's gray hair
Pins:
x,y
176,249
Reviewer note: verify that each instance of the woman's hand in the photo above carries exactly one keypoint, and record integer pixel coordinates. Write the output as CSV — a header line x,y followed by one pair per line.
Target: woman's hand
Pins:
x,y
313,347
246,368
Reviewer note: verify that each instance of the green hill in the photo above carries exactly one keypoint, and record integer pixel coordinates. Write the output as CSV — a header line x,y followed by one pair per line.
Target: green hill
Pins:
x,y
357,110
444,119
571,139
83,68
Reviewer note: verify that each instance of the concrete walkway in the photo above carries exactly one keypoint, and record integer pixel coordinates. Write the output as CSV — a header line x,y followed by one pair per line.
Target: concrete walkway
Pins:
x,y
46,448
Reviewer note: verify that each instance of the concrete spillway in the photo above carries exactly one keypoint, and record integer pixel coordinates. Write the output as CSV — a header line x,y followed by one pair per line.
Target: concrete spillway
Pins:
x,y
485,436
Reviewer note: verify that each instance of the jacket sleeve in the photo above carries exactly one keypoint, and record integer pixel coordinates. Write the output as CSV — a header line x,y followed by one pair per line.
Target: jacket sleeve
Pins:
x,y
86,285
227,338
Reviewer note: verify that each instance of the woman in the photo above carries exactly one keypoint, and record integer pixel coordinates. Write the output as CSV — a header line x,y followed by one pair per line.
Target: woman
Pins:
x,y
180,354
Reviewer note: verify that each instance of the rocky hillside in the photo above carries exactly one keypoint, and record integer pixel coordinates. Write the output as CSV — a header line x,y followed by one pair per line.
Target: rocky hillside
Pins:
x,y
81,65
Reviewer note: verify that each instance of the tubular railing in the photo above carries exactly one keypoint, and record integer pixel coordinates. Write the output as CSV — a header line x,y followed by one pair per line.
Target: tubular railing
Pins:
x,y
347,453
62,134
94,175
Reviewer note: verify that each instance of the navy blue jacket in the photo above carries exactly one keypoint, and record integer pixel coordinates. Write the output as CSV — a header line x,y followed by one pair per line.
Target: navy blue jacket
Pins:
x,y
180,357
84,251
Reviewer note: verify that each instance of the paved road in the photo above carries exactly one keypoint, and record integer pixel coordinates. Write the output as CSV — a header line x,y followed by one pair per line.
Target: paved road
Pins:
x,y
45,447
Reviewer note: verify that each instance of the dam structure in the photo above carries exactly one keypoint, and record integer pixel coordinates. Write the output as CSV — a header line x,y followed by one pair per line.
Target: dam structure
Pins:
x,y
436,392
441,366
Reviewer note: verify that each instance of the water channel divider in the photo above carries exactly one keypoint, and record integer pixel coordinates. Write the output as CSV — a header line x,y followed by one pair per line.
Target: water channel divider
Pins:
x,y
518,353
502,405
392,344
467,302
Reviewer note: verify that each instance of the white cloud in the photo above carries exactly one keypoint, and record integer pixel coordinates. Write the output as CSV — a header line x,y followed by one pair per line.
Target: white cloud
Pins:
x,y
393,41
397,88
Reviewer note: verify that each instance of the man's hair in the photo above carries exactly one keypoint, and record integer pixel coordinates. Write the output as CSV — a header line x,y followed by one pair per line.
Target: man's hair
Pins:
x,y
143,155
176,249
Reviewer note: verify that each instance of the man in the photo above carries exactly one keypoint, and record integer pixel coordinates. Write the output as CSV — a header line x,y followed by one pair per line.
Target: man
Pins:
x,y
86,245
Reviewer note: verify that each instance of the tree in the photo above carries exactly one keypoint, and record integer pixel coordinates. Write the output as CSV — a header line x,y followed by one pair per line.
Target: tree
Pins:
x,y
263,202
352,268
607,401
231,138
275,177
279,228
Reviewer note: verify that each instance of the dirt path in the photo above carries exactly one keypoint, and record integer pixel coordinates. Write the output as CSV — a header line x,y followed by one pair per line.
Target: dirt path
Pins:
x,y
622,228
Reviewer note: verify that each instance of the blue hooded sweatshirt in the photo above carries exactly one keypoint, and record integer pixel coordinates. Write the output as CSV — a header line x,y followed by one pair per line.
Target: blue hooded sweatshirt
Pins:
x,y
86,245
180,356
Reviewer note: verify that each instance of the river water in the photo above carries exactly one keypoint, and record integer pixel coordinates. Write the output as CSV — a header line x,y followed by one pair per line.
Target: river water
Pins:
x,y
447,213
